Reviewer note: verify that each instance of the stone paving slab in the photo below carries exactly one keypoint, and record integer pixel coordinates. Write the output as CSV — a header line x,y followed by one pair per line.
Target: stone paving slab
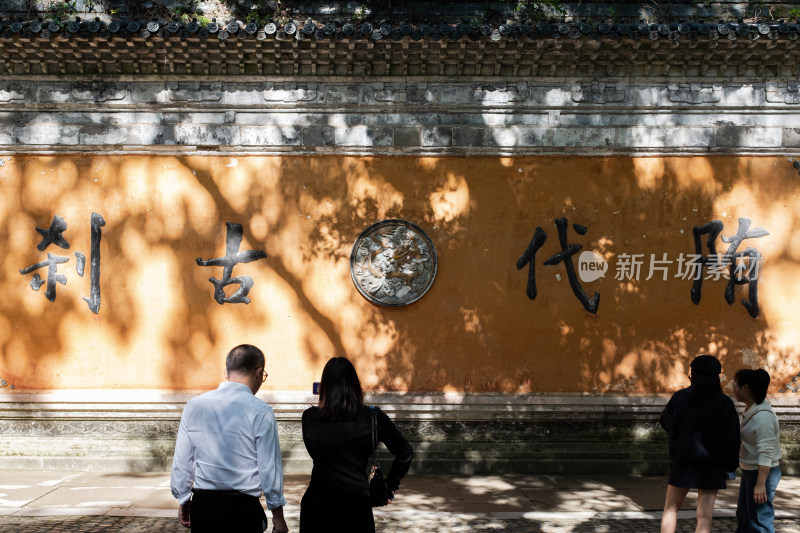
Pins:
x,y
33,501
18,489
603,493
103,497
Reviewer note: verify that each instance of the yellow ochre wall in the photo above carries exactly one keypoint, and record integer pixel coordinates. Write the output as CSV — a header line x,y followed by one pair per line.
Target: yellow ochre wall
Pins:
x,y
475,330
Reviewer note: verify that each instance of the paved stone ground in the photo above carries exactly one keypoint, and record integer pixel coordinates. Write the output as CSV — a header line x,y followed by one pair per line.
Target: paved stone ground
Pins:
x,y
446,524
70,502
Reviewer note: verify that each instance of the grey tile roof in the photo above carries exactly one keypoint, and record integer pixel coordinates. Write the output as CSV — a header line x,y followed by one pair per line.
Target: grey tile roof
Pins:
x,y
556,48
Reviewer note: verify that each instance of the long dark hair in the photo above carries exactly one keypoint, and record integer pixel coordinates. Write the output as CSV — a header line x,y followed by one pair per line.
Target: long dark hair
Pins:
x,y
340,394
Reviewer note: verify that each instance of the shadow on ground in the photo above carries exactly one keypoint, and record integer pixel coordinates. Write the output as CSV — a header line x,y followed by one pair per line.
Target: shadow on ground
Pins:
x,y
384,524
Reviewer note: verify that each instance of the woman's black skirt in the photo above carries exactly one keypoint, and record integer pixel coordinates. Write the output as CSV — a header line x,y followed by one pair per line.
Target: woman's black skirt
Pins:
x,y
697,476
326,511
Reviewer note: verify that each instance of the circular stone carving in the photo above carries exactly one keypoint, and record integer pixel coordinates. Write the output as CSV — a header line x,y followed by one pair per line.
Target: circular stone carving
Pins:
x,y
393,263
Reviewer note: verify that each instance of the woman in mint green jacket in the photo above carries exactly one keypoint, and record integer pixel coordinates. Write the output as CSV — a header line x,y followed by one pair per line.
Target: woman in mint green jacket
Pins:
x,y
759,456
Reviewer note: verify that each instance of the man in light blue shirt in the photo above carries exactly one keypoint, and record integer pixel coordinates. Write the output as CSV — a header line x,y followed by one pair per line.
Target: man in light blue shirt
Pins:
x,y
227,453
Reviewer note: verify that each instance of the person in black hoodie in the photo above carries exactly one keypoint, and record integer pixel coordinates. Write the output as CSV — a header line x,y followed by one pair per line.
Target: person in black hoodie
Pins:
x,y
338,437
703,429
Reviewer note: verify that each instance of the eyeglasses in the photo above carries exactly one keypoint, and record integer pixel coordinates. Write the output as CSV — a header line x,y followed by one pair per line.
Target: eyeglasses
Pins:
x,y
264,377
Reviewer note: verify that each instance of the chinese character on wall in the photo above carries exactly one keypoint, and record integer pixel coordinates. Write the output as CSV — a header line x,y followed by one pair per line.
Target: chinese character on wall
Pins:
x,y
54,235
233,257
564,256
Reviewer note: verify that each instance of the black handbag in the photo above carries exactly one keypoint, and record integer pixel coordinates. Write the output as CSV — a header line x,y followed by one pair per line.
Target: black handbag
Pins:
x,y
378,493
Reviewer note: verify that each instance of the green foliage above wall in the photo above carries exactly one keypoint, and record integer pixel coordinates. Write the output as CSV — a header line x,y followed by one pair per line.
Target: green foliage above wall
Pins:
x,y
473,12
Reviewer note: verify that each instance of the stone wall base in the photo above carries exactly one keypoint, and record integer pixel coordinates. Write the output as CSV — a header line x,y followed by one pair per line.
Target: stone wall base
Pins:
x,y
455,434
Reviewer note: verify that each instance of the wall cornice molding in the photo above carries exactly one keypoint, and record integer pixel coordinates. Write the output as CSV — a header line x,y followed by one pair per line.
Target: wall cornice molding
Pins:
x,y
401,117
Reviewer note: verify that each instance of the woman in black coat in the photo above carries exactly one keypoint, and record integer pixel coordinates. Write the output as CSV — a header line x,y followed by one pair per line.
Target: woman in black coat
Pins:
x,y
703,432
338,437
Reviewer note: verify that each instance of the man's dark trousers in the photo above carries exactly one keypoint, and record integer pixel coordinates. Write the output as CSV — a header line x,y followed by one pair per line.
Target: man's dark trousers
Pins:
x,y
226,511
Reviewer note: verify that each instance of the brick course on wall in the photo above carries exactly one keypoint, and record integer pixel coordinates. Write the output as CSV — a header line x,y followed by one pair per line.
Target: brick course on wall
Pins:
x,y
558,50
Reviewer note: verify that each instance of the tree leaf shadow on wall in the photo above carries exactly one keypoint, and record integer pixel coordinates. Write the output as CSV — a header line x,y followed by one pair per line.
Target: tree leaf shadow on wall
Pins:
x,y
643,337
474,331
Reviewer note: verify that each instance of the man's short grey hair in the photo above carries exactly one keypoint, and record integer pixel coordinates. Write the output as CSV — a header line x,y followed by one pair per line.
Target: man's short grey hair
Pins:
x,y
243,359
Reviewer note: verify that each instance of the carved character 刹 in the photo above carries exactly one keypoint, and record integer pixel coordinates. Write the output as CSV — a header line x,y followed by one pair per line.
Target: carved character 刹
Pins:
x,y
55,235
